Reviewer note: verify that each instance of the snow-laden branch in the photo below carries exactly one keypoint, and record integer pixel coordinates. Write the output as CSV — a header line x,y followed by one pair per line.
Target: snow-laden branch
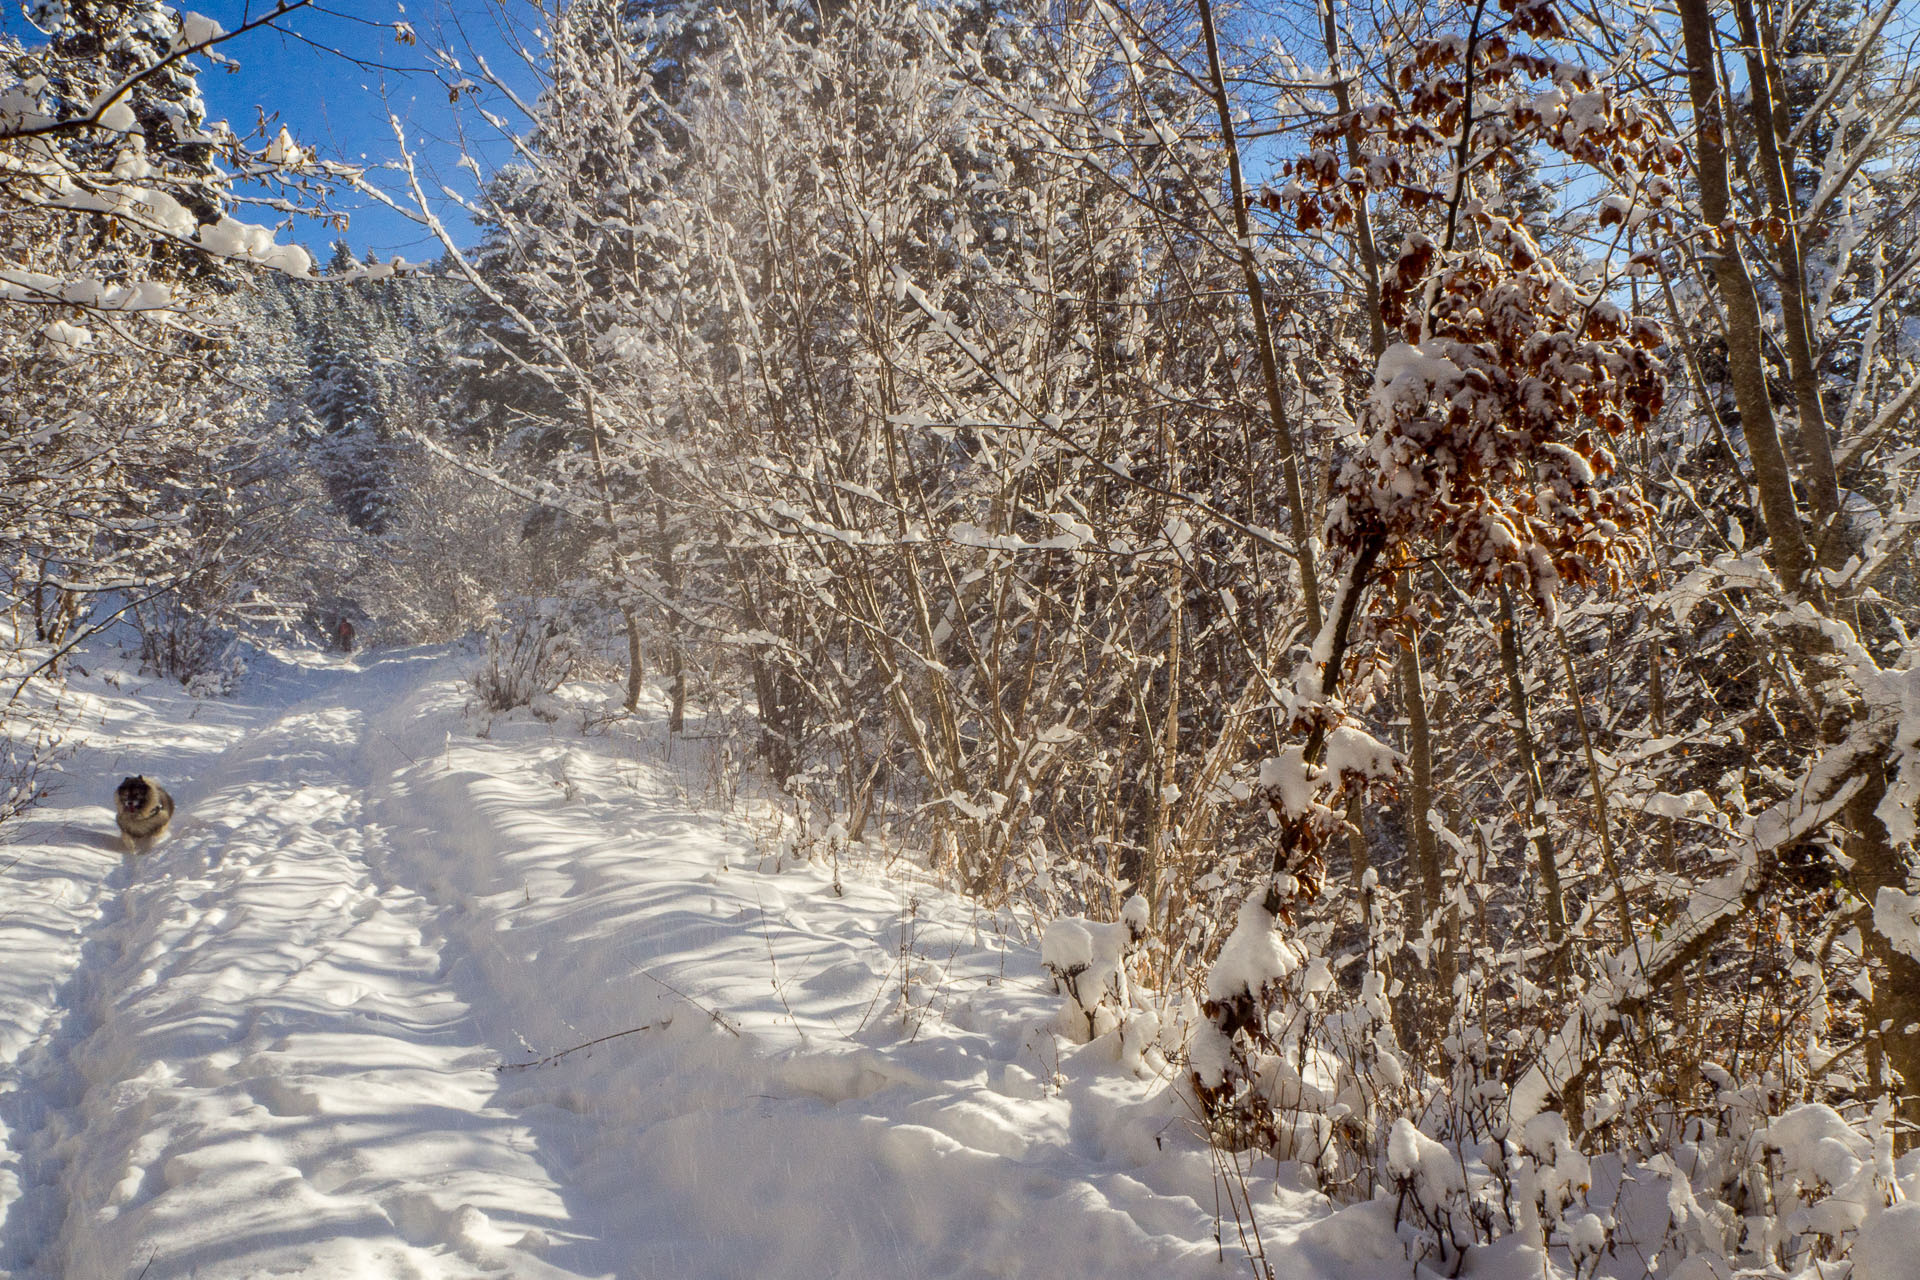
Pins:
x,y
1714,908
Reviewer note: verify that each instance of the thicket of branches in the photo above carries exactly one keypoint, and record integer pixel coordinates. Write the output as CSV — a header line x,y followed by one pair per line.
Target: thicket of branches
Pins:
x,y
1422,495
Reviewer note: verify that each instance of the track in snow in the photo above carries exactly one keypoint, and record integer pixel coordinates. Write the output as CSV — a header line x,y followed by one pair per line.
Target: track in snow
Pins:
x,y
259,1053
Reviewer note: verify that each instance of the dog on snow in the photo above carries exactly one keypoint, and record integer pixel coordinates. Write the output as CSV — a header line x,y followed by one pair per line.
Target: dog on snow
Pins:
x,y
143,808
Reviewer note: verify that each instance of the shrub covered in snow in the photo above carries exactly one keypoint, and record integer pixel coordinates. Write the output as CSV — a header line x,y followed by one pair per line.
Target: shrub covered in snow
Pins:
x,y
221,676
1088,960
525,662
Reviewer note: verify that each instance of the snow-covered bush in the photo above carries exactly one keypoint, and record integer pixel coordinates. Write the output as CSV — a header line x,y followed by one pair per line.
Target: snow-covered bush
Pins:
x,y
244,542
1315,1073
1748,1187
36,723
1431,1181
178,639
1088,960
1492,1176
525,661
1793,1190
222,676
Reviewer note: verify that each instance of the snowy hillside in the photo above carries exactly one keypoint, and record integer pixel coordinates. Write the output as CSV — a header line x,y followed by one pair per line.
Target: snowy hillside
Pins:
x,y
289,1040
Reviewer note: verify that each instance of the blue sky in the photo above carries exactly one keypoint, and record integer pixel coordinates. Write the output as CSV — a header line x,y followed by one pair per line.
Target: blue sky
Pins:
x,y
334,74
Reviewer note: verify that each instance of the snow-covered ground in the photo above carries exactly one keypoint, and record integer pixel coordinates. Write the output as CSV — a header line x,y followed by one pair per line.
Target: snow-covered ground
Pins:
x,y
289,1040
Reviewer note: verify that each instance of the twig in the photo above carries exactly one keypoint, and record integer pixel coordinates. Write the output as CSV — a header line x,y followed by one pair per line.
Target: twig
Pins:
x,y
402,750
503,1067
878,991
87,633
774,961
715,1014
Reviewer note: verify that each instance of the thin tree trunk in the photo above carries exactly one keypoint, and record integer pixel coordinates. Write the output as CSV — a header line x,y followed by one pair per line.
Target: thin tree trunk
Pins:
x,y
1792,558
1413,695
1680,991
1548,864
1602,824
1771,129
636,653
1359,577
1363,218
1419,744
636,659
1263,335
670,578
1160,827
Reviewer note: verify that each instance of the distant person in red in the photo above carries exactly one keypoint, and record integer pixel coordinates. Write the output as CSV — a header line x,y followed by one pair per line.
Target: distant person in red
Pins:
x,y
345,636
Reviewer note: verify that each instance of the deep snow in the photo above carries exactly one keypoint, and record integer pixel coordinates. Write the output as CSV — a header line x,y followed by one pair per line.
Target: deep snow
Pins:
x,y
269,1047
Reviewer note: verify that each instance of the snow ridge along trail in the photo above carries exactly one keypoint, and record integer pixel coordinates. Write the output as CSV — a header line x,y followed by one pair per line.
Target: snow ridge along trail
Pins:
x,y
269,1046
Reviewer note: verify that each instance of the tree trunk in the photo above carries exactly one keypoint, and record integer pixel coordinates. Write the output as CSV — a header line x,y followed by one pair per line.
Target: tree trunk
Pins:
x,y
1548,864
1426,852
1160,812
1792,558
1359,577
1362,215
1263,335
636,668
1679,991
670,579
1772,130
636,665
1893,1014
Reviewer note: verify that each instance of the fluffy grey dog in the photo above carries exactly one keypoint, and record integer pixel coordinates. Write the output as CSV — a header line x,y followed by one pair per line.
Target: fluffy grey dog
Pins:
x,y
143,808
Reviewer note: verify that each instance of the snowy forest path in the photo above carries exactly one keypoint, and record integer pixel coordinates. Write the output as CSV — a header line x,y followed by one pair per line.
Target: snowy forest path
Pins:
x,y
254,1046
289,1040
